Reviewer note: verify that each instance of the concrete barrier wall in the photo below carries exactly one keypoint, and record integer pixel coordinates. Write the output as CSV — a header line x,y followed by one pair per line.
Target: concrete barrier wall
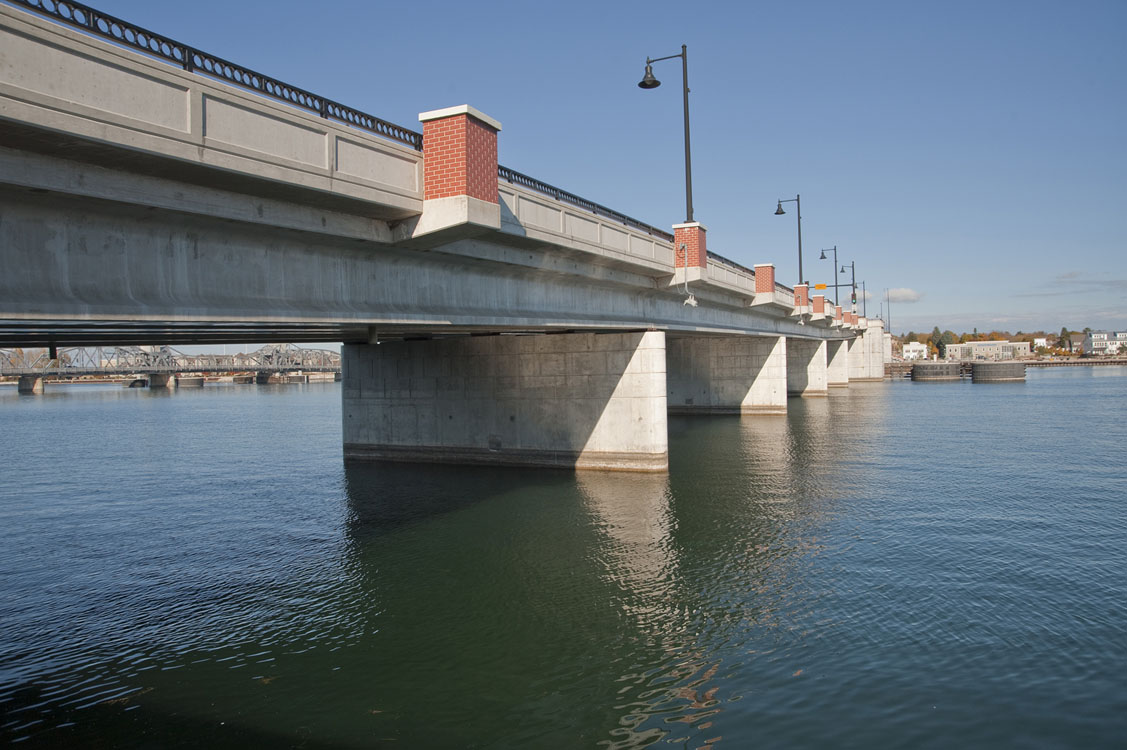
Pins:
x,y
68,82
526,213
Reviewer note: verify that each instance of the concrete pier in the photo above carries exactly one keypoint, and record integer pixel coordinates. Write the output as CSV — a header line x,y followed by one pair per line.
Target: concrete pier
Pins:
x,y
162,380
727,375
866,352
30,384
574,400
837,364
806,367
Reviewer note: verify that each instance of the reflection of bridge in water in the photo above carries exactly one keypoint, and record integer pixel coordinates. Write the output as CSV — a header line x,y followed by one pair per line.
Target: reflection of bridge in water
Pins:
x,y
158,364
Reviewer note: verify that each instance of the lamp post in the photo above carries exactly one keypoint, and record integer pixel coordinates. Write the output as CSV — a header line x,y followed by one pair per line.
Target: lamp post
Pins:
x,y
853,272
864,300
779,212
823,257
888,309
649,82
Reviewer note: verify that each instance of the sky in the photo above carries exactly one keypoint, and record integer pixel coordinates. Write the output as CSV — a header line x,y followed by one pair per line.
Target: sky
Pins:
x,y
969,158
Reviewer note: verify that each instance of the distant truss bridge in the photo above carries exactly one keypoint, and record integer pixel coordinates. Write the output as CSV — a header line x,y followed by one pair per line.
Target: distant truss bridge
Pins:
x,y
155,360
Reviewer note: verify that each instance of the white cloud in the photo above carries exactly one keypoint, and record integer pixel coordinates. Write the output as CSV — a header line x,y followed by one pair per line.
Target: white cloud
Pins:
x,y
904,295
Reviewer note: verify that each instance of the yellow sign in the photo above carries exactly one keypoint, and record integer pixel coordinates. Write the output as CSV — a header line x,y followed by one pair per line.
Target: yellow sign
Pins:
x,y
819,286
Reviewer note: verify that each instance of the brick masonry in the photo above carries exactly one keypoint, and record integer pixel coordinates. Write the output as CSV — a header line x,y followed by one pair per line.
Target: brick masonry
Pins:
x,y
459,158
694,254
764,277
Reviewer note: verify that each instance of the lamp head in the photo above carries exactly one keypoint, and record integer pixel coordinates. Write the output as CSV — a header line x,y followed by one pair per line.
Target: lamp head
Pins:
x,y
822,256
779,211
843,269
648,81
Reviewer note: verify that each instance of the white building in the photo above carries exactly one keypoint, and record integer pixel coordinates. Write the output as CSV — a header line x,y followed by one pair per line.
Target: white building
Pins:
x,y
1040,344
1105,342
915,350
987,350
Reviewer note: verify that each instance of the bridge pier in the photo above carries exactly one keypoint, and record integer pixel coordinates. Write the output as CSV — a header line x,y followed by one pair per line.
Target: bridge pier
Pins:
x,y
575,400
806,367
837,363
161,380
727,375
30,384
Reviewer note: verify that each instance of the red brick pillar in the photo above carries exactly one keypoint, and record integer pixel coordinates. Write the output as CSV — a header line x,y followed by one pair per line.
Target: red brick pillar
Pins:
x,y
801,295
459,154
820,303
764,277
837,312
695,252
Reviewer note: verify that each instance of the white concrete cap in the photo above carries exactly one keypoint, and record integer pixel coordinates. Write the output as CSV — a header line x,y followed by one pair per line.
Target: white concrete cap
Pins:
x,y
461,109
691,225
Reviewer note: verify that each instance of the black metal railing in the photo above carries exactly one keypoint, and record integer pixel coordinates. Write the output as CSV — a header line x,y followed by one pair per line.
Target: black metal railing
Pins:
x,y
510,175
106,26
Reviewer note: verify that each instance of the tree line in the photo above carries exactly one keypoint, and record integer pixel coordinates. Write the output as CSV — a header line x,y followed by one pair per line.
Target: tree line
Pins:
x,y
937,341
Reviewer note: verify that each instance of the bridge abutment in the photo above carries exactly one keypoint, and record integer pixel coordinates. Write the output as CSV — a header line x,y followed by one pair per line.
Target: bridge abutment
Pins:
x,y
866,351
576,400
837,363
727,375
806,367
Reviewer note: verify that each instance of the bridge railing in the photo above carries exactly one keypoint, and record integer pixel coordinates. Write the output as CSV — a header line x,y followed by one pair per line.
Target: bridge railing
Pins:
x,y
515,177
101,24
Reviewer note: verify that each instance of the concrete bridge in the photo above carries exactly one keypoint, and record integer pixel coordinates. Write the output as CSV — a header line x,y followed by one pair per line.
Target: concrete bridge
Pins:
x,y
154,194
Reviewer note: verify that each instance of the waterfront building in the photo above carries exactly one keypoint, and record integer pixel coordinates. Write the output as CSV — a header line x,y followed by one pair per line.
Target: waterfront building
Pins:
x,y
995,350
1102,343
915,350
1040,343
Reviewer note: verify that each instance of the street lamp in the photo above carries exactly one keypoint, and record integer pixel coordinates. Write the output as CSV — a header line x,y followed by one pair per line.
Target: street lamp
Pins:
x,y
853,272
779,212
649,82
835,284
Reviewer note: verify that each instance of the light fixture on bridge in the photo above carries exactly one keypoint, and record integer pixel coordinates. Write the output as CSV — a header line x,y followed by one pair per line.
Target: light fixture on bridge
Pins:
x,y
649,82
853,285
797,200
835,284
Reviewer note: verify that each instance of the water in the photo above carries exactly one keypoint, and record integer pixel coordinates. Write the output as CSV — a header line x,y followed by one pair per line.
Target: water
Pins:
x,y
898,565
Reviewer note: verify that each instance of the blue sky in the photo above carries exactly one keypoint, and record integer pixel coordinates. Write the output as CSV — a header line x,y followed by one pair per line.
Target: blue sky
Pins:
x,y
969,156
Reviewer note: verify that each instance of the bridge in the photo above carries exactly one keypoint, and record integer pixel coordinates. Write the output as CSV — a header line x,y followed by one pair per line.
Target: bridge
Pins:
x,y
155,194
160,365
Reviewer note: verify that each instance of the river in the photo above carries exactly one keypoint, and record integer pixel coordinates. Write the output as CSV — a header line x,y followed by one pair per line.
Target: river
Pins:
x,y
924,565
